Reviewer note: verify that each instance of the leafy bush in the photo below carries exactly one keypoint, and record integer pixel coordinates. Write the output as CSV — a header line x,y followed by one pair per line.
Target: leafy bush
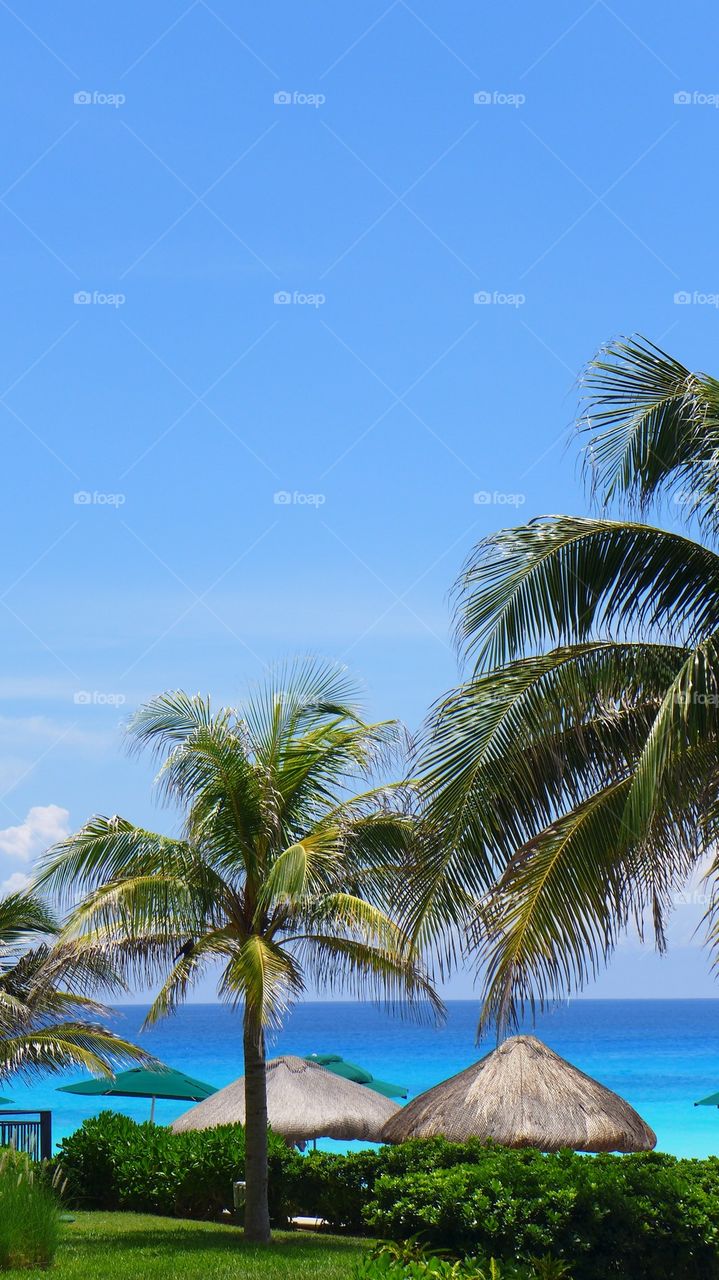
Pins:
x,y
624,1216
111,1162
338,1188
29,1215
434,1268
413,1261
90,1159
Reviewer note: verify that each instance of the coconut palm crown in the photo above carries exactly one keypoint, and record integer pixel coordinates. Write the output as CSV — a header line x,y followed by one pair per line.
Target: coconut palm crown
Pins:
x,y
48,1019
575,774
280,876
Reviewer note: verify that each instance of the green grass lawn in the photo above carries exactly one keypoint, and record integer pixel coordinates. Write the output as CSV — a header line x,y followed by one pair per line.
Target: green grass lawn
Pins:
x,y
135,1246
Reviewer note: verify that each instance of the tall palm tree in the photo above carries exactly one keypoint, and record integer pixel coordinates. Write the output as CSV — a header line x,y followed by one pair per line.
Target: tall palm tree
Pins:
x,y
280,876
575,774
48,1022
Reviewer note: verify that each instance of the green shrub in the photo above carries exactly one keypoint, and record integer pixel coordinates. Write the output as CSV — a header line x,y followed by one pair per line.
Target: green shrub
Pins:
x,y
412,1261
29,1215
625,1216
111,1162
91,1157
338,1188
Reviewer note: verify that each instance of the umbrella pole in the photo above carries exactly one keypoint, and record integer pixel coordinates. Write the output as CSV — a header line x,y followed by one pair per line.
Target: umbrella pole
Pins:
x,y
152,1111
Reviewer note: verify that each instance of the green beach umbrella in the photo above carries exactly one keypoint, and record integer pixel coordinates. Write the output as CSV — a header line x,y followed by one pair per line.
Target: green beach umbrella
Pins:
x,y
6,1102
711,1101
340,1067
142,1083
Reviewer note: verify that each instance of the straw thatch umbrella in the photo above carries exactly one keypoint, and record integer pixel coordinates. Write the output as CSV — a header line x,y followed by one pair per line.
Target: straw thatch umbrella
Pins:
x,y
303,1101
524,1095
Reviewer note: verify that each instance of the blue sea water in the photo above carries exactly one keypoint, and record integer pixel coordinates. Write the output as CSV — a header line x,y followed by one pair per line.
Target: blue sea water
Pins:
x,y
662,1055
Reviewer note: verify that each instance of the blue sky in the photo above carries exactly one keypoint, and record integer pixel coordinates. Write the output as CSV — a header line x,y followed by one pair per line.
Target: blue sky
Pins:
x,y
156,396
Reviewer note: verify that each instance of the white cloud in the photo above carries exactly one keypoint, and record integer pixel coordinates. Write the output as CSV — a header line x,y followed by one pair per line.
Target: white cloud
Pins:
x,y
43,825
14,883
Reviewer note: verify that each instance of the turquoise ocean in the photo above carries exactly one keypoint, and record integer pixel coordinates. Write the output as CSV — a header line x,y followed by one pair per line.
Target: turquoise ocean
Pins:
x,y
662,1055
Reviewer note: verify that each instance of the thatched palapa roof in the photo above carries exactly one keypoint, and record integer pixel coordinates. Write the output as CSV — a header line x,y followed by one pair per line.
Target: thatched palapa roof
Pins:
x,y
523,1095
303,1101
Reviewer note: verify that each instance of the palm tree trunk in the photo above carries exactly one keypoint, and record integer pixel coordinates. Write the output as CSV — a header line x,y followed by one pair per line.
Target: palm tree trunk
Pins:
x,y
257,1213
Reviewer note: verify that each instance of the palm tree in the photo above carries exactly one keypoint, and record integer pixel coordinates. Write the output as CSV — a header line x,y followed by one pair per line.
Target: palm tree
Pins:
x,y
280,876
44,1005
575,774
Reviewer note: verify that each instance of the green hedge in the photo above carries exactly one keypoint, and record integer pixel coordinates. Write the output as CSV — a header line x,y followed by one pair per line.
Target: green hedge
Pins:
x,y
111,1162
625,1216
339,1188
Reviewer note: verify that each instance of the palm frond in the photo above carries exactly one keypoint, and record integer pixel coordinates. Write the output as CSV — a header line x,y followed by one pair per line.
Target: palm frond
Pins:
x,y
653,428
506,719
107,849
67,1044
141,904
347,914
569,579
687,717
14,1010
390,978
169,720
23,915
324,763
264,977
188,966
507,753
299,871
557,910
50,981
295,698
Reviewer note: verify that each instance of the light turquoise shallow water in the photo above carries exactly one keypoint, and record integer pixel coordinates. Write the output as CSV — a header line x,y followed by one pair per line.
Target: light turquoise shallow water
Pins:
x,y
662,1055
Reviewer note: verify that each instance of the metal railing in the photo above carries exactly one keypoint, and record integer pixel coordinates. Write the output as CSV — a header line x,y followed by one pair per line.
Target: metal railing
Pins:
x,y
29,1131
